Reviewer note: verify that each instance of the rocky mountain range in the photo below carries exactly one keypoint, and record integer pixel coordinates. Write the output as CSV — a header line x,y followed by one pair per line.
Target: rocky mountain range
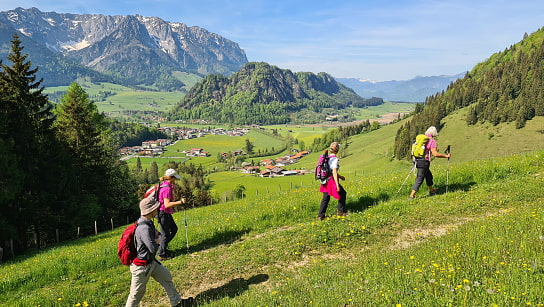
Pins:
x,y
413,90
134,49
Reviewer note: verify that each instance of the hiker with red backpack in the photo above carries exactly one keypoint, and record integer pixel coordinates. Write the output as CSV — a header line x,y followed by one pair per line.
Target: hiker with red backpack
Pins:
x,y
331,186
145,265
166,209
423,161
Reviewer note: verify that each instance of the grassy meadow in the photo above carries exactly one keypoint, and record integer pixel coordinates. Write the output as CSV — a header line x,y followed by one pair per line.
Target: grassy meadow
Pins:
x,y
479,242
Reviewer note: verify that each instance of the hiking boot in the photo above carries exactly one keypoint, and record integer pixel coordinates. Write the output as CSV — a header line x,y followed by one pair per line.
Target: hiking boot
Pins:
x,y
185,302
433,192
164,257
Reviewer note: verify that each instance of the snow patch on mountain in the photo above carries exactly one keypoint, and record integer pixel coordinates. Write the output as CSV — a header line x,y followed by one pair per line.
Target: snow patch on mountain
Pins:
x,y
72,46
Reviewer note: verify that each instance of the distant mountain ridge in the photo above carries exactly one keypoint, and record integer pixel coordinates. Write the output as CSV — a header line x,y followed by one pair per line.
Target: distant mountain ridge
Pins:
x,y
135,49
413,90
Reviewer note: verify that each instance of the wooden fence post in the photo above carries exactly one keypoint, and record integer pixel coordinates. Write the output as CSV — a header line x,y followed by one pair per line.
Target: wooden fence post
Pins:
x,y
36,240
95,228
111,223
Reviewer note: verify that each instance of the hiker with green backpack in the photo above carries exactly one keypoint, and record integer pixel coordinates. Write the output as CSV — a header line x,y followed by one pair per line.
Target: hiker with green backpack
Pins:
x,y
422,149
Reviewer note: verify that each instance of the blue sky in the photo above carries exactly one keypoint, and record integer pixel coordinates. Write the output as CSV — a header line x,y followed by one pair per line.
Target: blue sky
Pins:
x,y
368,39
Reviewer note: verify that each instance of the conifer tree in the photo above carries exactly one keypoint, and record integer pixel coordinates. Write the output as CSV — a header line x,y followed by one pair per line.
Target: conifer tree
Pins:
x,y
28,142
99,182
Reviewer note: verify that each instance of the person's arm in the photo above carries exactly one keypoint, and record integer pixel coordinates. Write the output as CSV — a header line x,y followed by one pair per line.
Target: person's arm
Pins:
x,y
438,155
147,237
169,204
337,176
168,198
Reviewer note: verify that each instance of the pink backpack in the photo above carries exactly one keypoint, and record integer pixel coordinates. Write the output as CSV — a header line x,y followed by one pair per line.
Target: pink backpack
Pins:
x,y
323,170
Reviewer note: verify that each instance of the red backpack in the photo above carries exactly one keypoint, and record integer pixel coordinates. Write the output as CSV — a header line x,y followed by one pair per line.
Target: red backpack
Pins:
x,y
126,248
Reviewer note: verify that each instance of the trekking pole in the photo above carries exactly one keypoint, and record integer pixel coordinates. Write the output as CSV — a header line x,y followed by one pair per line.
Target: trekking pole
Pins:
x,y
411,170
186,229
447,151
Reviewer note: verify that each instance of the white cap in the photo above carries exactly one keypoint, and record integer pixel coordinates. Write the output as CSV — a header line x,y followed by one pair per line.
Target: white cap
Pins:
x,y
172,173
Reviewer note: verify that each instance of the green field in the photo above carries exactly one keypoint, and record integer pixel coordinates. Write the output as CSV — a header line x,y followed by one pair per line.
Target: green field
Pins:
x,y
481,244
365,154
388,107
139,101
125,99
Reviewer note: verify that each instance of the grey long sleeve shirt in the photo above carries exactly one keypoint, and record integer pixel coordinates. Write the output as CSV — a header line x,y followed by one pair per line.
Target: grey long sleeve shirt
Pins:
x,y
146,246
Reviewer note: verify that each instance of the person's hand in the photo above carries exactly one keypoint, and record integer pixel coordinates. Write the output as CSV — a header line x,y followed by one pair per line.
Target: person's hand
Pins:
x,y
183,200
448,155
158,237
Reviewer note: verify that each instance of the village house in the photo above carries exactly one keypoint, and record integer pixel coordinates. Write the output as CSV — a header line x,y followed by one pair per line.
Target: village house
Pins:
x,y
266,162
251,169
196,152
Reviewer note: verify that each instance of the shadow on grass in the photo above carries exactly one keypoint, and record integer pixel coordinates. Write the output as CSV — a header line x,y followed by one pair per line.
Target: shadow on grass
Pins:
x,y
219,238
231,289
455,187
363,202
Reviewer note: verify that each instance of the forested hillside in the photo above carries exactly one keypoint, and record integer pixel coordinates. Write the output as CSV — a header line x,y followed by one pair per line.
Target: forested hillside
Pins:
x,y
59,167
260,93
505,88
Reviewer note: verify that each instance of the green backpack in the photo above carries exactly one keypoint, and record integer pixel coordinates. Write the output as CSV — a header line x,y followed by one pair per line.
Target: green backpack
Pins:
x,y
418,147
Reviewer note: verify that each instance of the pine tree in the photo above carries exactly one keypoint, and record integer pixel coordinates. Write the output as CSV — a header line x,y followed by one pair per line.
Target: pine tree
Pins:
x,y
28,142
154,172
79,126
101,184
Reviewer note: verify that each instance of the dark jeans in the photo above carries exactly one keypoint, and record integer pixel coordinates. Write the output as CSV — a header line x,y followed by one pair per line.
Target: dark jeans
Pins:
x,y
423,172
168,231
325,202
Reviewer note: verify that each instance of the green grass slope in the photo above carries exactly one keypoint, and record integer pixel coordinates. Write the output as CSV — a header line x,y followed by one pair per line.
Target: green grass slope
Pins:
x,y
480,244
485,140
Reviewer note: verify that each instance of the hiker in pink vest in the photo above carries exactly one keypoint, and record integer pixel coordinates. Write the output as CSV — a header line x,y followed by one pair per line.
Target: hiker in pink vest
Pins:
x,y
333,187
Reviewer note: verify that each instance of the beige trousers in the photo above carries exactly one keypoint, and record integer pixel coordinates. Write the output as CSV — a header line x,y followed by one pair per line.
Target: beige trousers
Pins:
x,y
140,277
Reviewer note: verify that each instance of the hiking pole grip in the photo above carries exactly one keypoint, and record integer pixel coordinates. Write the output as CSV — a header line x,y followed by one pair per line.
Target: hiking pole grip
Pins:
x,y
447,151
